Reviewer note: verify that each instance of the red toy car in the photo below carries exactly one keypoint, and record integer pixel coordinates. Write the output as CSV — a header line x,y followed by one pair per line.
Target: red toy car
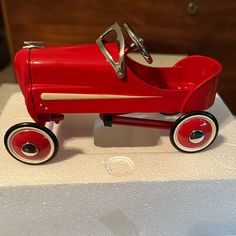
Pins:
x,y
102,78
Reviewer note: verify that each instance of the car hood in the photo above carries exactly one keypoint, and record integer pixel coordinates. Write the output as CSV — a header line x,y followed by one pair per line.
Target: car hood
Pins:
x,y
69,65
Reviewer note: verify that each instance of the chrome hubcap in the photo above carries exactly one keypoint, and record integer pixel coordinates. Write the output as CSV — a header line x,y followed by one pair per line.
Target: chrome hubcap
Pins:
x,y
29,149
196,136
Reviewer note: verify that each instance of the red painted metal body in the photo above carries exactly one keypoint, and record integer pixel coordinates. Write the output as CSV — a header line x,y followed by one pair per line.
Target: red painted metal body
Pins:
x,y
187,86
102,78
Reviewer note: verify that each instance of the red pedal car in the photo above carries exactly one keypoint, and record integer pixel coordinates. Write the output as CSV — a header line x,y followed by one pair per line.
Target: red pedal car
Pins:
x,y
102,78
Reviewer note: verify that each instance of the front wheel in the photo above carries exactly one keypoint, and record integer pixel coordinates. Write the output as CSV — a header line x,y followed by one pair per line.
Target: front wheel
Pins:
x,y
194,131
31,143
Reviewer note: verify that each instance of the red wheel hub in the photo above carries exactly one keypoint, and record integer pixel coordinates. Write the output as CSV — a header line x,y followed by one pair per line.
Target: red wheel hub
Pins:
x,y
199,127
34,139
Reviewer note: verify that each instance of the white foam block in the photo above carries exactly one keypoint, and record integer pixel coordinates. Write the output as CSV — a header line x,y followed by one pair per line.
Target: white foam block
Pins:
x,y
114,190
119,181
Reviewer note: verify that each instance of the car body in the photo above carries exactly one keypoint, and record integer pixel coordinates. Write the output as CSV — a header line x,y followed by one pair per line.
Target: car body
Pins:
x,y
80,79
102,78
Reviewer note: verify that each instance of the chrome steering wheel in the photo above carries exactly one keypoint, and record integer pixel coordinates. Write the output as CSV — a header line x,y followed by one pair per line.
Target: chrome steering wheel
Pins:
x,y
138,43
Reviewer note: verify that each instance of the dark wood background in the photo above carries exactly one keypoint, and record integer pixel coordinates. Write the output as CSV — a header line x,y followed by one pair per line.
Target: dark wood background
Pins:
x,y
166,25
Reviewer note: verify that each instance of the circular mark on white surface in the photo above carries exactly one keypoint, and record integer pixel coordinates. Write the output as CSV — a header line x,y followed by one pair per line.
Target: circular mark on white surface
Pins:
x,y
226,157
119,165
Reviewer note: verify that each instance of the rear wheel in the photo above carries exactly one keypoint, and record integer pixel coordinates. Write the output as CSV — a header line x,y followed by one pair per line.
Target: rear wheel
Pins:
x,y
31,143
194,131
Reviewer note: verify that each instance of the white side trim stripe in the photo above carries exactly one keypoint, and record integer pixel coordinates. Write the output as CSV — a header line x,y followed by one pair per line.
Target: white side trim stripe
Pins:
x,y
75,96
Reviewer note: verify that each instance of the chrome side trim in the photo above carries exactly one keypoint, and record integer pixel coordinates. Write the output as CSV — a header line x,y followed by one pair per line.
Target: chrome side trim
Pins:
x,y
118,66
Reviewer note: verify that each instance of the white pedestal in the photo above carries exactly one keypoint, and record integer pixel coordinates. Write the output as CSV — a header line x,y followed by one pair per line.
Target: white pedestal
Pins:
x,y
117,190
